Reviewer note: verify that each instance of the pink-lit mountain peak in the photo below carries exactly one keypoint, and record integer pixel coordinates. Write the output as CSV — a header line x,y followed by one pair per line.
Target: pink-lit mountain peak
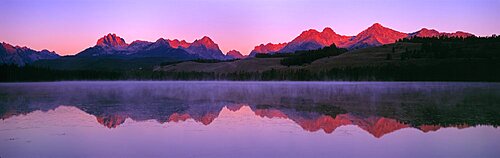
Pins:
x,y
12,49
461,34
377,26
429,31
178,43
312,34
424,32
112,40
269,47
115,41
328,30
309,33
161,41
313,39
378,30
9,48
375,35
325,37
205,41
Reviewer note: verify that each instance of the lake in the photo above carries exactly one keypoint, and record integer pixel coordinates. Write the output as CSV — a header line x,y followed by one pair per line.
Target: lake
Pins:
x,y
249,119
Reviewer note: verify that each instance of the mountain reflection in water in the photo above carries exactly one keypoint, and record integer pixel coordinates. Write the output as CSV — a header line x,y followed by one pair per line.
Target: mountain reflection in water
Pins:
x,y
375,107
309,121
378,108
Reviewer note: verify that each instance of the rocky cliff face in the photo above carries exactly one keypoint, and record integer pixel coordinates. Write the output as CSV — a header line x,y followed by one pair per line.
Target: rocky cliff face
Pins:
x,y
112,40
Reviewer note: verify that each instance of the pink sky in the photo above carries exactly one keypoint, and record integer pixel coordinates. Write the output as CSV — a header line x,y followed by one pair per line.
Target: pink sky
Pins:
x,y
69,27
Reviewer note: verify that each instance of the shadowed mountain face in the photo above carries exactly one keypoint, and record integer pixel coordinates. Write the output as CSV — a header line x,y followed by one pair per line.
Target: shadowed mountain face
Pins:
x,y
206,49
21,56
234,54
377,108
112,45
375,35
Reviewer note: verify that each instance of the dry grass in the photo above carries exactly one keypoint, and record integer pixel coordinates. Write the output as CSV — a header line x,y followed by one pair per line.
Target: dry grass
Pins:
x,y
363,57
360,57
249,65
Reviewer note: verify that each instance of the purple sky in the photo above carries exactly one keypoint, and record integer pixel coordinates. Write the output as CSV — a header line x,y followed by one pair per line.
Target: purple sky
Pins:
x,y
68,27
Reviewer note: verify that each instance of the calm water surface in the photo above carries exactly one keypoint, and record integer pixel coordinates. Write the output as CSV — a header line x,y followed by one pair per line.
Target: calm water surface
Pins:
x,y
249,119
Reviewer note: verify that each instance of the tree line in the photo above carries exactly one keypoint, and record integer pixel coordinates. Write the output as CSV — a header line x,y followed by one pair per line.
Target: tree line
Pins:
x,y
304,57
453,47
453,70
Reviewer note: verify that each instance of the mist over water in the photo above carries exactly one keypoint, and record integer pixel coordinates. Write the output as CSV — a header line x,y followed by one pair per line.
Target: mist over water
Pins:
x,y
249,119
252,92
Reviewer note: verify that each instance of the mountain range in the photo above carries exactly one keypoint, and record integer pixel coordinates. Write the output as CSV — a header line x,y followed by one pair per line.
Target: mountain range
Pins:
x,y
375,35
21,56
113,46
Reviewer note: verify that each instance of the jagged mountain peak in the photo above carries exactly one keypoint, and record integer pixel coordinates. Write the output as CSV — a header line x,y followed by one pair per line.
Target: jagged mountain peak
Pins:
x,y
112,45
206,42
425,32
139,42
162,41
8,47
377,28
313,39
377,25
112,40
374,35
461,34
309,32
267,48
175,43
328,30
